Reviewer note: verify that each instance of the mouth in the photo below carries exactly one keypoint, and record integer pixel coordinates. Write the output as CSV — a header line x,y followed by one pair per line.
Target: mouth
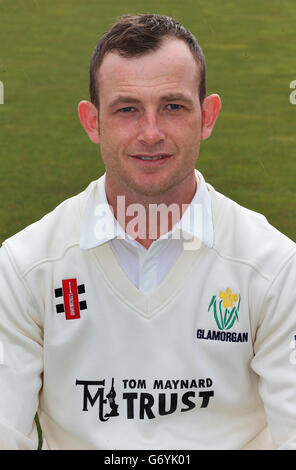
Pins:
x,y
152,158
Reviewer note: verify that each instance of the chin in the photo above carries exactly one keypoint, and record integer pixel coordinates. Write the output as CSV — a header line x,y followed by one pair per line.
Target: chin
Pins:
x,y
152,189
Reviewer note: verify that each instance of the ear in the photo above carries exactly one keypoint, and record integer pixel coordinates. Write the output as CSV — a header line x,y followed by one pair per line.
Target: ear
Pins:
x,y
210,109
89,118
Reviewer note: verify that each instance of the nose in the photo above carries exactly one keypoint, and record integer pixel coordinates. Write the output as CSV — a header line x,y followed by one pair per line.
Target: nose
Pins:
x,y
150,131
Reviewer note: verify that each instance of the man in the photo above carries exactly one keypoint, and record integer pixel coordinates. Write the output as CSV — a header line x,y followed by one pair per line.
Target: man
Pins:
x,y
130,331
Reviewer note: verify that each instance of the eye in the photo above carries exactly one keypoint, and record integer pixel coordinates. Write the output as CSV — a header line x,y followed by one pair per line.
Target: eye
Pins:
x,y
174,107
127,109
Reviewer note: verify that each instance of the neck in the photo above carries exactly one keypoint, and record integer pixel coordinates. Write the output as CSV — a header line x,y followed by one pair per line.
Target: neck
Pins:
x,y
148,217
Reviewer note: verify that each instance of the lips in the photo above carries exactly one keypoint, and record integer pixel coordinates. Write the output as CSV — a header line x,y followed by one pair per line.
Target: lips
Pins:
x,y
151,157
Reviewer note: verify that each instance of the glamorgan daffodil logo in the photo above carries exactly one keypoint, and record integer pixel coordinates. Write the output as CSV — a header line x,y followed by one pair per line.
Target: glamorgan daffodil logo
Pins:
x,y
225,309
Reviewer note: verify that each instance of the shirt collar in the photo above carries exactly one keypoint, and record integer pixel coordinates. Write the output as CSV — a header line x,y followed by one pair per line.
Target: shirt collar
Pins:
x,y
98,224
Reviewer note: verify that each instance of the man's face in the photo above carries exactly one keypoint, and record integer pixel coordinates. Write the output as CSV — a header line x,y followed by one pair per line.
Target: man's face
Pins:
x,y
150,118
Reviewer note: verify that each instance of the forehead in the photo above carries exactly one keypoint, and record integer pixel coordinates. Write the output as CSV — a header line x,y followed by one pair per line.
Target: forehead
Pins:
x,y
172,67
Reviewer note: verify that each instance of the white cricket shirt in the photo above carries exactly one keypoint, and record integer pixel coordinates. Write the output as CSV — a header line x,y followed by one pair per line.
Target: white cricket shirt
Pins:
x,y
204,361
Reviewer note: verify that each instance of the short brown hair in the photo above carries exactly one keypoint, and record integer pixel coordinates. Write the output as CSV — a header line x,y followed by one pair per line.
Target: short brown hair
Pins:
x,y
136,35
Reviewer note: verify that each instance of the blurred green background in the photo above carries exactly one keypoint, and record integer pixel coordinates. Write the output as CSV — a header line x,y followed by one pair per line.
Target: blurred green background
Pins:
x,y
45,48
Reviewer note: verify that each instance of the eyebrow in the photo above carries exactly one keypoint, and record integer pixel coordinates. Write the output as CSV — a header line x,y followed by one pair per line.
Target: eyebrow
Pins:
x,y
169,97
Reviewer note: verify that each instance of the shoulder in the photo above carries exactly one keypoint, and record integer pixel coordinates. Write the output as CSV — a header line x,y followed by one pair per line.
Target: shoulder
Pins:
x,y
245,236
50,237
